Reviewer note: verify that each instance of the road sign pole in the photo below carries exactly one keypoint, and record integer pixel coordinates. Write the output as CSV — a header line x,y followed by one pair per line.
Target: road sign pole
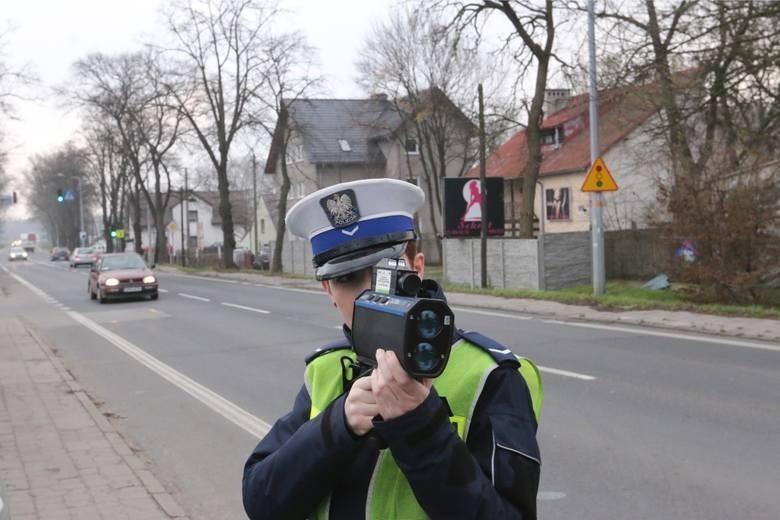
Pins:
x,y
596,198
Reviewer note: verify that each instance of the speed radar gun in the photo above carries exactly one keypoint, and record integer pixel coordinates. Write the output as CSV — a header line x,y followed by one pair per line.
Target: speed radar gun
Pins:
x,y
391,316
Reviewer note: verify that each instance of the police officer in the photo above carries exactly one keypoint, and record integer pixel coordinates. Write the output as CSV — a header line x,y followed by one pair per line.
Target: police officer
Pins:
x,y
460,446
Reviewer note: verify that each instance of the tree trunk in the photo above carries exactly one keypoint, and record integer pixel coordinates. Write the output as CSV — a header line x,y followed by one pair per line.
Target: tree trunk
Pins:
x,y
226,212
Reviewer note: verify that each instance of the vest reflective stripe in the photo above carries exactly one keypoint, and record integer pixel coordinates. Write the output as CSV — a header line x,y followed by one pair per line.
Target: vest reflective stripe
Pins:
x,y
533,379
389,493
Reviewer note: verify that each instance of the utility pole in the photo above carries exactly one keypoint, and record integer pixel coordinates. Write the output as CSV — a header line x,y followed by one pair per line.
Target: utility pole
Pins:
x,y
181,229
149,233
254,198
596,198
82,233
482,192
187,209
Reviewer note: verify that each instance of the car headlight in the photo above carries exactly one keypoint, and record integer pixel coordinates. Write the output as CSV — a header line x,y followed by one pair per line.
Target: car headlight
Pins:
x,y
149,279
111,282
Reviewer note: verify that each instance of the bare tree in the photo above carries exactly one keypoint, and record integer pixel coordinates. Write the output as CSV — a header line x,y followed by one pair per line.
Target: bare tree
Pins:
x,y
290,75
108,169
217,77
432,74
129,89
48,174
720,116
13,81
531,45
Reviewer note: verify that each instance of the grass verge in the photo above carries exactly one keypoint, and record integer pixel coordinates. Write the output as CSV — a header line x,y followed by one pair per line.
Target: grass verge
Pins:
x,y
620,295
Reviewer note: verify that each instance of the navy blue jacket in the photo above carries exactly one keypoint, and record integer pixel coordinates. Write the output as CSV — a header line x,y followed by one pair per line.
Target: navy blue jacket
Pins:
x,y
494,474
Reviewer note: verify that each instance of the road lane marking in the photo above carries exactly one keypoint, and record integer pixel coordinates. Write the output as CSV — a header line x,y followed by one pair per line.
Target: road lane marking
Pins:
x,y
244,307
233,413
566,373
491,313
193,297
674,335
163,290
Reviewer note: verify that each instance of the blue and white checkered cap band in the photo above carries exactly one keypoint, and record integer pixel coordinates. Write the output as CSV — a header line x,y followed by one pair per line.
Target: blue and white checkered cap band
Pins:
x,y
376,227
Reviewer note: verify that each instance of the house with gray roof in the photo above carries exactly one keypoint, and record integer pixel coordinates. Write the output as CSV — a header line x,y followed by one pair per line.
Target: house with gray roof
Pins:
x,y
339,140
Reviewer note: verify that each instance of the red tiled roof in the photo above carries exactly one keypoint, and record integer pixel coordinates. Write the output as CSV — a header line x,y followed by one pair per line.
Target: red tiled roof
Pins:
x,y
621,111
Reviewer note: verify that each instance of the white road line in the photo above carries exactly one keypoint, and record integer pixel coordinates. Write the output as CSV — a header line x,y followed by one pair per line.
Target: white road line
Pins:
x,y
216,402
233,413
162,290
491,313
192,297
236,306
688,337
290,289
566,373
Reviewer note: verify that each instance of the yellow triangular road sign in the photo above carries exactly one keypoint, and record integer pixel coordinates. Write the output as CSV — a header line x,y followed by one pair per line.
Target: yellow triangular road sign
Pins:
x,y
599,178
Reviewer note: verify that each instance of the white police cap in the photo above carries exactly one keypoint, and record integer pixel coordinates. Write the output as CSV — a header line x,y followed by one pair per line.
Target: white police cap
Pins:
x,y
353,225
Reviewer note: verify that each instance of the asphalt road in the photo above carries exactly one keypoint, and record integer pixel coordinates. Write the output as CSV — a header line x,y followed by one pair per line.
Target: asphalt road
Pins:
x,y
634,425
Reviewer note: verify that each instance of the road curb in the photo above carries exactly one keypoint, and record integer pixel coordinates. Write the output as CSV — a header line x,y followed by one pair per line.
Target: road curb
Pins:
x,y
138,467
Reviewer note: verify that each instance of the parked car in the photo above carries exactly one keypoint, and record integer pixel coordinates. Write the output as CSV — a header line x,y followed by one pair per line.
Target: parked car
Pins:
x,y
60,253
17,253
83,256
121,275
262,261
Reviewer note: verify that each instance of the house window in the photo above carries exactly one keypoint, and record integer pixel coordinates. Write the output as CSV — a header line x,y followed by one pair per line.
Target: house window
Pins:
x,y
552,136
192,215
411,146
557,203
344,145
294,153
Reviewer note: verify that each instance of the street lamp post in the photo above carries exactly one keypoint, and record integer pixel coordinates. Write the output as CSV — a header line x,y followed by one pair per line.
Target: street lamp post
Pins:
x,y
82,234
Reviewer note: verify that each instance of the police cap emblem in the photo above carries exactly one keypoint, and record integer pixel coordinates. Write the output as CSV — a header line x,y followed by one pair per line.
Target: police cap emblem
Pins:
x,y
341,208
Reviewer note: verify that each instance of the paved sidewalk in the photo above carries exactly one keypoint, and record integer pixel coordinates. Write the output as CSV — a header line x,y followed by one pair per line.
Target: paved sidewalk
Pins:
x,y
59,456
744,328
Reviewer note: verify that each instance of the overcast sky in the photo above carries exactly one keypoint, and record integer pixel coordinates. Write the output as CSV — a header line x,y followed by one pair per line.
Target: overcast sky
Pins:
x,y
49,35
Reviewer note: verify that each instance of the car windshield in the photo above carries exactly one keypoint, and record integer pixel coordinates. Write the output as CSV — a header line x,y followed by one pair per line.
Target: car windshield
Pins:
x,y
122,262
17,249
84,251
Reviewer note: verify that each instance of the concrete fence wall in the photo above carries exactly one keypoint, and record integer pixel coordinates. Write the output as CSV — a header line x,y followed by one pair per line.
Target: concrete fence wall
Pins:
x,y
552,262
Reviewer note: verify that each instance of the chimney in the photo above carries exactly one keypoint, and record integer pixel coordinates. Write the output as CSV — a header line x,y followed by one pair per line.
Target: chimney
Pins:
x,y
555,99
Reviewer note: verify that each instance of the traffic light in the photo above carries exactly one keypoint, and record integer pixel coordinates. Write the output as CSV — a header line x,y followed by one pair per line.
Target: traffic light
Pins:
x,y
113,233
60,196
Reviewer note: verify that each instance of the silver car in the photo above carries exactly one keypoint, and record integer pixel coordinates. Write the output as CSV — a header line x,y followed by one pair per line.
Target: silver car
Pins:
x,y
17,253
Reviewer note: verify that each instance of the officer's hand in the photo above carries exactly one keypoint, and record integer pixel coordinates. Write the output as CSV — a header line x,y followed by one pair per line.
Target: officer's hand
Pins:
x,y
396,392
360,406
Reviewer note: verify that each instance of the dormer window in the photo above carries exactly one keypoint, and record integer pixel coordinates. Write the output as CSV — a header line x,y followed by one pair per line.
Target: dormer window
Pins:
x,y
411,146
552,136
344,145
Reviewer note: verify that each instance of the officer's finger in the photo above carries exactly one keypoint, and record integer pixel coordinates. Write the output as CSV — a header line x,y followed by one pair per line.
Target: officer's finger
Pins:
x,y
394,369
381,383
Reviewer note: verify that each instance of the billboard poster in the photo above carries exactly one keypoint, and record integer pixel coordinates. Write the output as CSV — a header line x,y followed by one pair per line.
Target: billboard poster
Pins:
x,y
462,207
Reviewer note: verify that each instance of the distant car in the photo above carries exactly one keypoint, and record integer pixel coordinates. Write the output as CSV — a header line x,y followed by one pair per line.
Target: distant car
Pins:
x,y
17,253
121,275
262,261
29,246
83,256
60,253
